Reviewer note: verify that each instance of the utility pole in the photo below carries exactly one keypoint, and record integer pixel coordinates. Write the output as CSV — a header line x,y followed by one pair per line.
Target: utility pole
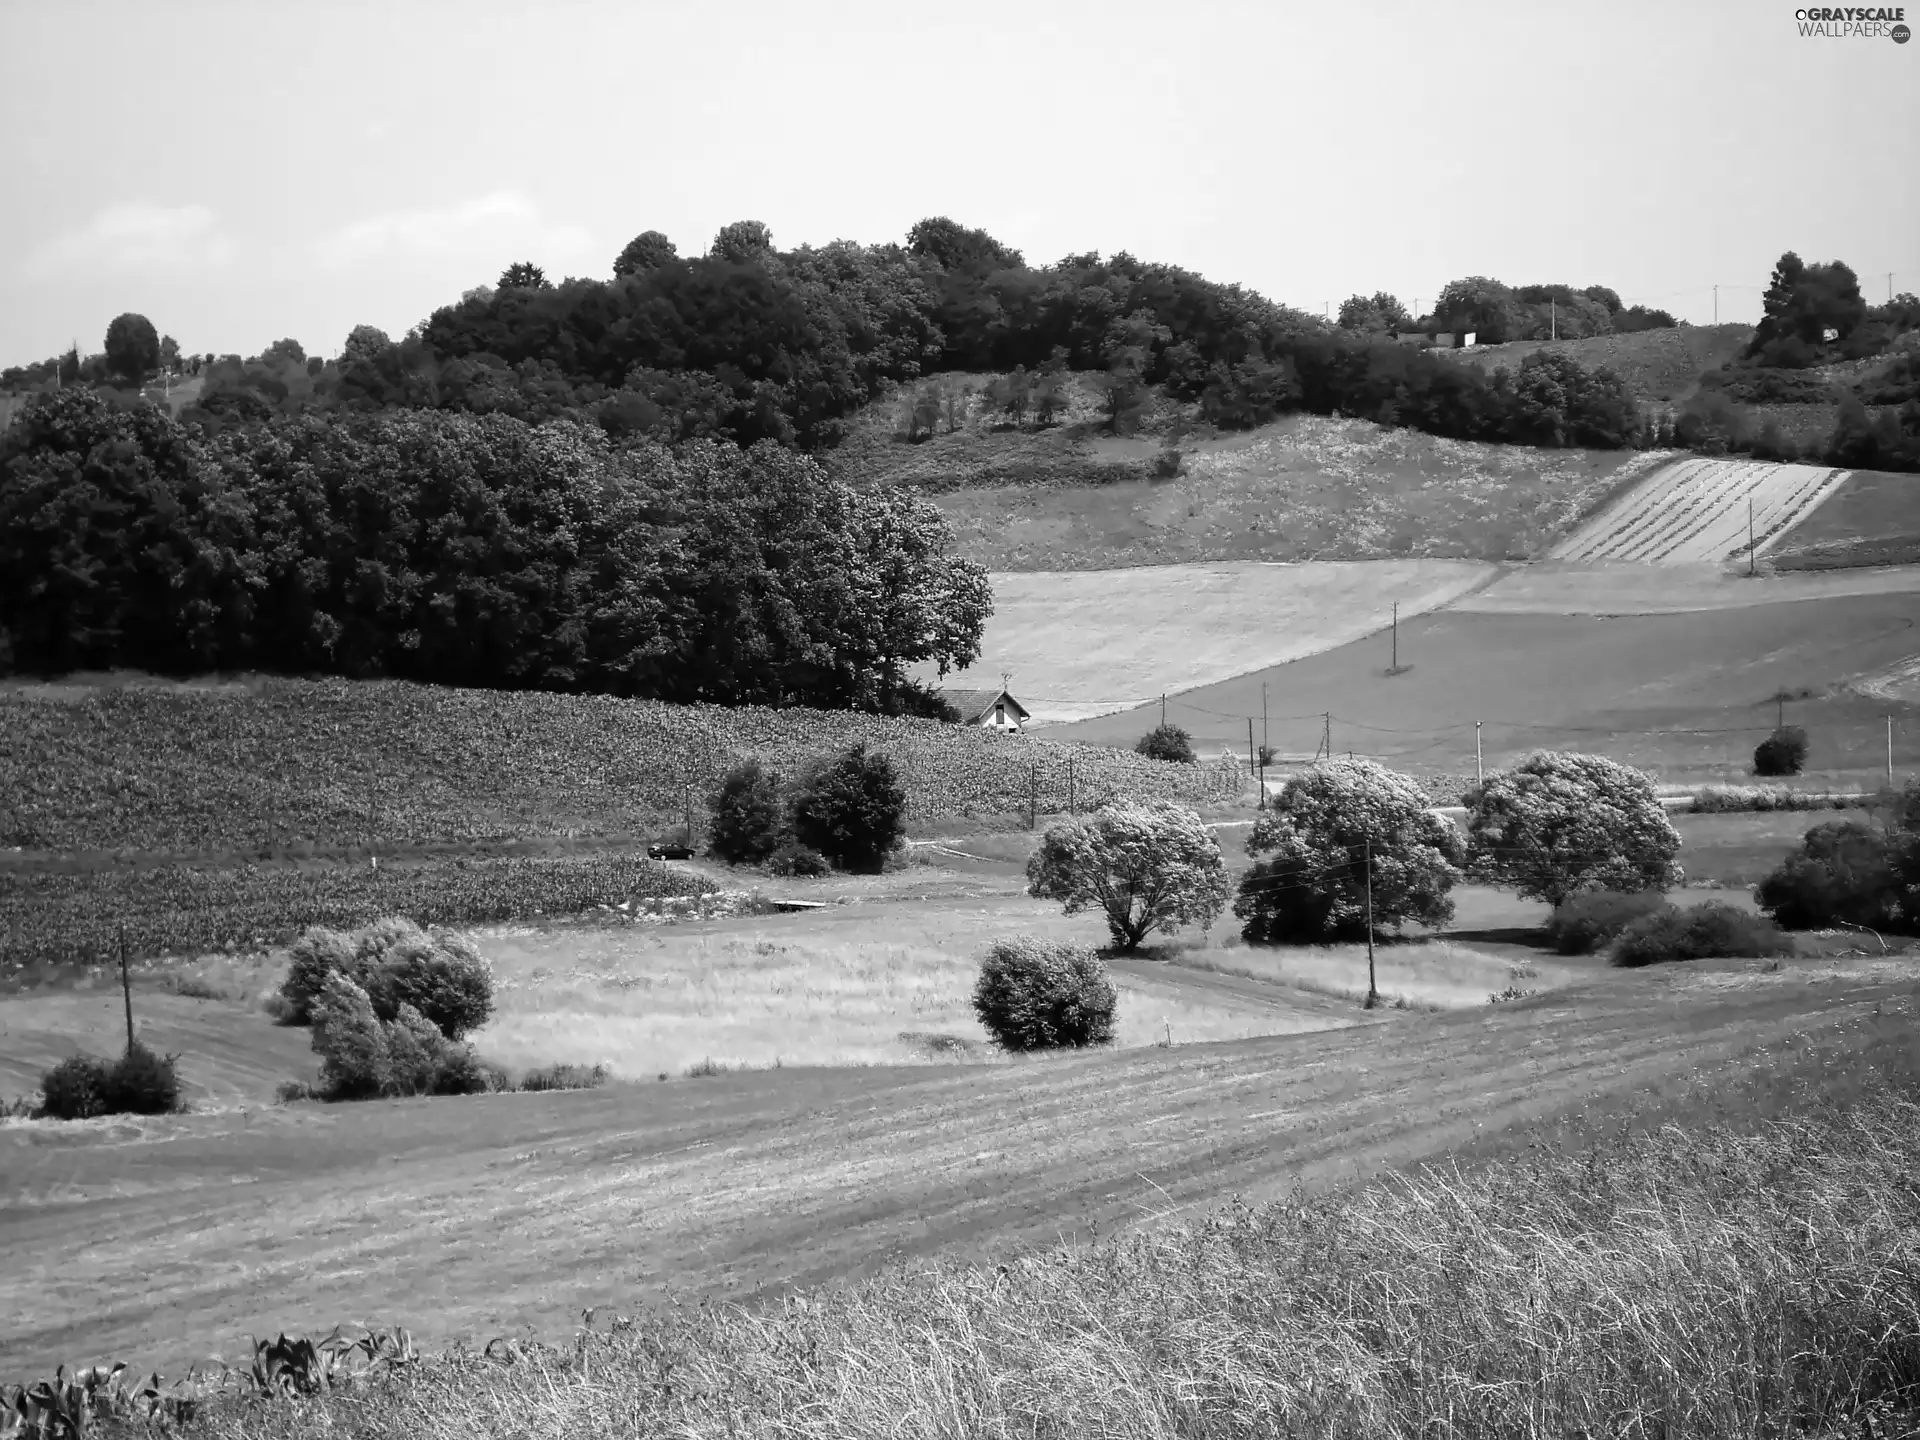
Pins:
x,y
1553,317
126,986
1889,752
1326,735
1749,534
1479,770
1716,304
1396,637
1263,718
1033,795
1253,756
1373,994
687,786
1070,809
1163,709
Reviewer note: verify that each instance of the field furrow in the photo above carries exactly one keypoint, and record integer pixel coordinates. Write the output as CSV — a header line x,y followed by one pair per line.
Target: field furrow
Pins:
x,y
1696,510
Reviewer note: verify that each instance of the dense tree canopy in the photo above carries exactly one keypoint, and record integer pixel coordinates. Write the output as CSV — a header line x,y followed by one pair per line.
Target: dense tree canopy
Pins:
x,y
468,550
132,347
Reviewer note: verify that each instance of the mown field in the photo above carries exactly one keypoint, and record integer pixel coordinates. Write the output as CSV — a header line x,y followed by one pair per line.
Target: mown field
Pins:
x,y
1685,695
281,766
509,1214
1303,488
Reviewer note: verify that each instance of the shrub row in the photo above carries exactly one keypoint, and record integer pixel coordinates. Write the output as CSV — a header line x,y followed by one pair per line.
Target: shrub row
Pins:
x,y
398,966
51,920
1725,799
279,763
140,1082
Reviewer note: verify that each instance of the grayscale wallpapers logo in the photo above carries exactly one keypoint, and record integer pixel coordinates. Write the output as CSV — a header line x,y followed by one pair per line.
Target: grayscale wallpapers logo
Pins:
x,y
1854,23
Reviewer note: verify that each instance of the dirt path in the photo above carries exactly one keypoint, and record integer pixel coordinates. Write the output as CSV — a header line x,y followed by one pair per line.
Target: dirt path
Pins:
x,y
162,1242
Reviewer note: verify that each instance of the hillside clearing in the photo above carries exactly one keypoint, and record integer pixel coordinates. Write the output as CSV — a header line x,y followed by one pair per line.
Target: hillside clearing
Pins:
x,y
1660,366
1302,488
1090,642
1872,518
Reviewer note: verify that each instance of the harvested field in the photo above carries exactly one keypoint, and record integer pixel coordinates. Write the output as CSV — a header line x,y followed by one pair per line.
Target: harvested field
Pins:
x,y
1083,643
1701,511
522,1209
1303,488
1687,695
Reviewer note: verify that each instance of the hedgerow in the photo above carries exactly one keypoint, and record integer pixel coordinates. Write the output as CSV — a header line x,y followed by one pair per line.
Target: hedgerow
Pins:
x,y
279,764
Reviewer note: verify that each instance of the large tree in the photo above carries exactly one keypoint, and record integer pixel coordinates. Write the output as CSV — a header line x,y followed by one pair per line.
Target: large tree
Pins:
x,y
1375,314
1146,867
648,250
744,242
1337,832
1804,302
1559,823
133,347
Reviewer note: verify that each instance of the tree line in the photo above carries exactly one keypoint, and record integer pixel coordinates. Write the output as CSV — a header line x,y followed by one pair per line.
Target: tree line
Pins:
x,y
470,550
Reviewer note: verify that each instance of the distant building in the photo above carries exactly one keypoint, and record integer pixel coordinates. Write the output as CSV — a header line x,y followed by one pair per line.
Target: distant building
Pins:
x,y
989,709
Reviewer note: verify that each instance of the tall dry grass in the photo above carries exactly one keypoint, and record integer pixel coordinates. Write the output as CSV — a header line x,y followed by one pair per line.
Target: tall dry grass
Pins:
x,y
1687,1284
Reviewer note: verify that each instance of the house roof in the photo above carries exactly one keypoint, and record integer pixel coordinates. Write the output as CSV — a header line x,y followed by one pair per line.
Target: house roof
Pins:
x,y
974,704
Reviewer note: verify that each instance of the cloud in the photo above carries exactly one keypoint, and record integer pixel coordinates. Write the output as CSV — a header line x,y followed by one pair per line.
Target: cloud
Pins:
x,y
136,236
505,217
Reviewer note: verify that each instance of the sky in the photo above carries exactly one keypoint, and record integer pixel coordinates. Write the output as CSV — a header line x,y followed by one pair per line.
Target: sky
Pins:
x,y
240,171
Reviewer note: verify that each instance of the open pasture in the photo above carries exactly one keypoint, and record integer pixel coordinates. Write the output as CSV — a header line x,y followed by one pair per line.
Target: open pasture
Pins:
x,y
1303,488
1083,643
162,1241
1686,696
1615,587
1660,366
1699,510
1873,518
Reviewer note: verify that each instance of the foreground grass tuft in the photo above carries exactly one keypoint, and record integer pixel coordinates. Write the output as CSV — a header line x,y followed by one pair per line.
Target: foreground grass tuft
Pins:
x,y
1704,1284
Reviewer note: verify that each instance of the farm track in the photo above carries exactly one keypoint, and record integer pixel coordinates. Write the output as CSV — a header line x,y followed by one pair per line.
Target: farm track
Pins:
x,y
469,1218
1695,511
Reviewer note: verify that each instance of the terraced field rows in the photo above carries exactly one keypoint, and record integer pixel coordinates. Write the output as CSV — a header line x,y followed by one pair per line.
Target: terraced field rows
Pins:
x,y
1698,510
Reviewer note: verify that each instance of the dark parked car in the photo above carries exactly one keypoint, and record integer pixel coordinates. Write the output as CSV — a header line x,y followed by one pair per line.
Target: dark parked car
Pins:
x,y
669,852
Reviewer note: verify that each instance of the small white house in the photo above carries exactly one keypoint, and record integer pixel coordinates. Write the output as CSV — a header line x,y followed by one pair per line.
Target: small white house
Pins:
x,y
988,709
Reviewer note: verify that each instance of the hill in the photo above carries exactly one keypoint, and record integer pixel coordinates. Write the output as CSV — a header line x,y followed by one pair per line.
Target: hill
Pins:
x,y
1307,487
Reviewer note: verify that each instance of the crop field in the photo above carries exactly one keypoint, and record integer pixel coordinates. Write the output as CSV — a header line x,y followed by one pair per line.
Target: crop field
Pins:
x,y
289,767
1624,588
1698,510
164,1240
1685,695
1303,488
1082,643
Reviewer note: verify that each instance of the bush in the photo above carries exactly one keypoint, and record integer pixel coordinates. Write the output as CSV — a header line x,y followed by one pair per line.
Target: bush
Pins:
x,y
1724,799
397,964
747,824
75,1089
462,1072
142,1082
851,810
1169,743
1557,824
795,859
350,1041
1783,752
318,953
1844,872
1324,831
415,1050
1148,867
564,1077
1037,995
1714,930
1591,920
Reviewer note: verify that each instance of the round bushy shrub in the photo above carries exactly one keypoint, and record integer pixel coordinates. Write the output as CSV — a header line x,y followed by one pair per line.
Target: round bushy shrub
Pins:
x,y
75,1089
1590,921
1037,995
1784,752
1844,872
1146,867
1715,930
747,824
439,976
852,810
795,859
1557,824
1167,742
143,1082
